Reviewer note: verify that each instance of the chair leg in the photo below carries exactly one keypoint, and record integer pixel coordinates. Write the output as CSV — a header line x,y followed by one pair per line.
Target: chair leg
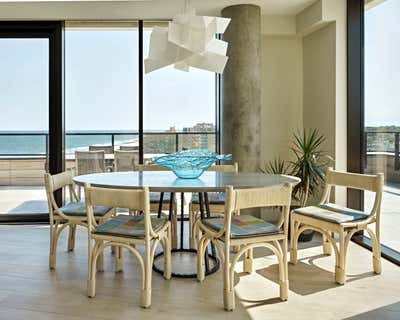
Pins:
x,y
91,282
340,265
100,259
201,246
326,246
119,259
376,252
229,294
248,261
145,299
174,230
71,237
167,254
293,241
53,246
284,283
192,219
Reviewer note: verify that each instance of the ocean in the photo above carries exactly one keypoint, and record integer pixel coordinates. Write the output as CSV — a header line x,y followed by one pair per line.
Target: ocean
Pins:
x,y
34,142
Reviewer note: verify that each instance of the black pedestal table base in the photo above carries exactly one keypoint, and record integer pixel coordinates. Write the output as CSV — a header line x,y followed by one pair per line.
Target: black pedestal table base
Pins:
x,y
181,250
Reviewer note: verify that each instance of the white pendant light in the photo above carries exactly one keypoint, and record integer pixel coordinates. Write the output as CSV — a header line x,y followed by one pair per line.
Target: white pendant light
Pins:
x,y
189,41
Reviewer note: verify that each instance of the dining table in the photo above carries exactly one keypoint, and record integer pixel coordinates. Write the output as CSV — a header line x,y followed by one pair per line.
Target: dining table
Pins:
x,y
168,182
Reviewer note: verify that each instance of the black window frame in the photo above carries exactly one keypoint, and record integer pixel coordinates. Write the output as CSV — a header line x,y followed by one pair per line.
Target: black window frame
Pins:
x,y
53,31
356,155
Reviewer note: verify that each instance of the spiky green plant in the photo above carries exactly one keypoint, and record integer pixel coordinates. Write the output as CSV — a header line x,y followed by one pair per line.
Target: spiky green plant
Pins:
x,y
278,166
309,164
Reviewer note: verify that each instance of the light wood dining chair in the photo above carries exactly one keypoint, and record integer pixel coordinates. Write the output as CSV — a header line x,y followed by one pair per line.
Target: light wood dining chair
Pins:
x,y
329,218
124,231
216,201
125,160
248,232
72,214
167,199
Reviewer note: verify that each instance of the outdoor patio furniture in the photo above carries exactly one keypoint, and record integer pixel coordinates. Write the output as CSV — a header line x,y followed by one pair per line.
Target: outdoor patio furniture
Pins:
x,y
125,160
106,149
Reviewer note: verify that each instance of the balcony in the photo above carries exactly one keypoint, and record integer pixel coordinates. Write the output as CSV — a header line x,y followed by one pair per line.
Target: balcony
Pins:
x,y
24,159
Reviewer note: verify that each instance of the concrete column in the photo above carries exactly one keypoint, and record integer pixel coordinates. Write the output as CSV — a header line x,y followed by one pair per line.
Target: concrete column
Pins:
x,y
242,86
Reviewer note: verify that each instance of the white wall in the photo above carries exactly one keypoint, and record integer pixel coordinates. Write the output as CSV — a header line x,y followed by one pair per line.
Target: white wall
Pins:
x,y
282,113
305,80
319,78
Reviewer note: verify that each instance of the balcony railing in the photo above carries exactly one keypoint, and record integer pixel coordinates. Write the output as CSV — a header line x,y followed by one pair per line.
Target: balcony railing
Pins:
x,y
35,145
382,142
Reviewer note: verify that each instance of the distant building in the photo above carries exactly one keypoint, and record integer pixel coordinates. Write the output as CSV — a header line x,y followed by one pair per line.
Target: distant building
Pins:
x,y
194,138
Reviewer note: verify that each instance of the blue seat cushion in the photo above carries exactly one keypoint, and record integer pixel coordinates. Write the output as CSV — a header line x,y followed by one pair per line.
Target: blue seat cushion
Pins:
x,y
213,198
128,226
78,209
155,197
244,226
332,213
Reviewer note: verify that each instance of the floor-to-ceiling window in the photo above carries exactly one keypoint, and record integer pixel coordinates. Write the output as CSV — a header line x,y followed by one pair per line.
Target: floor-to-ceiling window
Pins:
x,y
97,66
24,105
31,121
382,112
101,88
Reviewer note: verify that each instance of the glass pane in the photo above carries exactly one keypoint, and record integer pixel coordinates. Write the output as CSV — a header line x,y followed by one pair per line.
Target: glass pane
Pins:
x,y
178,102
382,115
24,91
101,90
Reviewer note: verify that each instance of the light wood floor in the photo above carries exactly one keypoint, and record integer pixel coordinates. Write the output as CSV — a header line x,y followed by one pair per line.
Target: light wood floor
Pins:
x,y
28,290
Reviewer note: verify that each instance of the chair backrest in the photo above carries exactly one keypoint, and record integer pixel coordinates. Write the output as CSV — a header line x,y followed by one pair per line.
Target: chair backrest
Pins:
x,y
89,162
125,160
150,167
56,182
358,181
231,168
129,148
106,149
275,196
138,199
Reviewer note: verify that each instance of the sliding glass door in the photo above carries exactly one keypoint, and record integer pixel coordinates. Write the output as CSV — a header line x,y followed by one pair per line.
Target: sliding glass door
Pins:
x,y
382,112
24,105
101,90
30,96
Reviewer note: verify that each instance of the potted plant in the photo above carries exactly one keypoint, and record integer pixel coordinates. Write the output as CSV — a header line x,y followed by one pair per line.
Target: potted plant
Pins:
x,y
309,165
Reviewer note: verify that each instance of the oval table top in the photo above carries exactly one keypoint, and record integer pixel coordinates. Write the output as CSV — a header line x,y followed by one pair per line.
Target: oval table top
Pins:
x,y
166,181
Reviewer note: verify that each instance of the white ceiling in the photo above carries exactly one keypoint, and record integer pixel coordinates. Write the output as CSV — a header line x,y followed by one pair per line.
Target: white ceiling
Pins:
x,y
134,9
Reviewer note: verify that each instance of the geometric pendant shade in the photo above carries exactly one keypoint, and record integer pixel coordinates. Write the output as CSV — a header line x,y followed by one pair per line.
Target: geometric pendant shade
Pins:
x,y
189,41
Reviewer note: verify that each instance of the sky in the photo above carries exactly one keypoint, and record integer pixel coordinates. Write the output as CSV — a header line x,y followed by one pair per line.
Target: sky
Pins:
x,y
101,81
101,85
382,64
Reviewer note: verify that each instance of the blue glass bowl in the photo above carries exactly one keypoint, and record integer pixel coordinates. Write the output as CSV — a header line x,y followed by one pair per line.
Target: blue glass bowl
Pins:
x,y
190,164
